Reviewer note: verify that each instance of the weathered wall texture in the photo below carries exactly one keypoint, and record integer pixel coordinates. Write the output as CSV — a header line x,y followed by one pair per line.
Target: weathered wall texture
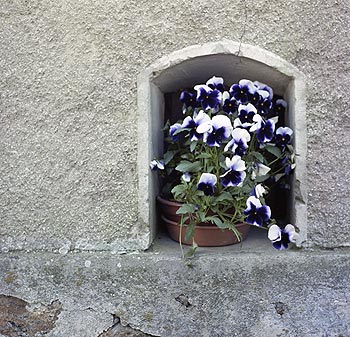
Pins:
x,y
68,108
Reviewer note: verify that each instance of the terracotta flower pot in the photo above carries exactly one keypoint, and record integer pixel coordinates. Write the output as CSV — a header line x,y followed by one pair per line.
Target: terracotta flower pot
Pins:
x,y
204,235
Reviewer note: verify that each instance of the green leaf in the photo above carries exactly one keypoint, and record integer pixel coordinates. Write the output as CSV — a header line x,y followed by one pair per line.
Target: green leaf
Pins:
x,y
185,209
193,146
258,156
178,189
224,195
189,232
260,179
180,130
168,156
273,150
217,222
201,216
204,155
187,166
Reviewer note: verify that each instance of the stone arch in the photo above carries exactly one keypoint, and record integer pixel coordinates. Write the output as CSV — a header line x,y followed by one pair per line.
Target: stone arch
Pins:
x,y
195,64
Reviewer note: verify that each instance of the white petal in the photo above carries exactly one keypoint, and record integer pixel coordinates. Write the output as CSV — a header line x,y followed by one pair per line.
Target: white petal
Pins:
x,y
237,164
228,145
215,81
262,169
208,178
281,102
252,88
249,107
221,121
255,201
205,127
274,120
259,190
237,122
239,133
274,233
284,131
225,96
186,122
290,229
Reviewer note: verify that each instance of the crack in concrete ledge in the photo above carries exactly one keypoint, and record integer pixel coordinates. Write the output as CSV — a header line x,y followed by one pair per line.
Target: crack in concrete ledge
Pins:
x,y
118,330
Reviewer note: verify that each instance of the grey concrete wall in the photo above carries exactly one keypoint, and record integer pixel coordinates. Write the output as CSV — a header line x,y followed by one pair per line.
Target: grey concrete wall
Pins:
x,y
68,128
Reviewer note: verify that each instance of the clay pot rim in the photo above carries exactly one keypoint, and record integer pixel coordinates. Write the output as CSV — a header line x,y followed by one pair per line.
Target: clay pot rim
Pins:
x,y
168,202
212,227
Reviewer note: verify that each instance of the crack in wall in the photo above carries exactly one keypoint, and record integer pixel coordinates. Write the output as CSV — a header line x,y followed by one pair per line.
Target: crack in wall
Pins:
x,y
118,330
244,26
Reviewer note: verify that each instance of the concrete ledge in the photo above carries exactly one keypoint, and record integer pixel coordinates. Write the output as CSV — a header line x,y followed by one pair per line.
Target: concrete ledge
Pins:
x,y
225,292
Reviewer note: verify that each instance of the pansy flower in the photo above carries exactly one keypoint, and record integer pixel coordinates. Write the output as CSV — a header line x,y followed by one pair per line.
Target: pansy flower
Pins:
x,y
279,107
283,136
216,131
216,83
245,116
264,104
188,99
264,87
207,183
157,164
239,142
282,237
173,129
207,97
256,213
235,174
264,129
193,123
229,105
243,91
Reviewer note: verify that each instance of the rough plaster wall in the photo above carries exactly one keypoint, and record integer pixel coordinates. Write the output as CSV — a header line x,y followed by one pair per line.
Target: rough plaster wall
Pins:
x,y
68,107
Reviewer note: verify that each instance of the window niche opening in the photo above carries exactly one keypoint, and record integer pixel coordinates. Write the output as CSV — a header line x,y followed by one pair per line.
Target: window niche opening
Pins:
x,y
159,87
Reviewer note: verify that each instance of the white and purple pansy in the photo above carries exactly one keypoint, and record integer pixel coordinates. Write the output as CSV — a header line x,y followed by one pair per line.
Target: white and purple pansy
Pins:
x,y
264,87
279,107
235,174
188,99
264,103
216,83
229,105
282,237
207,183
256,213
239,142
192,123
209,98
243,91
264,129
245,115
173,128
283,136
157,165
215,131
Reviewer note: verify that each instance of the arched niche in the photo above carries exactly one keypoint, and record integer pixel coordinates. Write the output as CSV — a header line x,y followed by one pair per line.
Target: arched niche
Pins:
x,y
232,61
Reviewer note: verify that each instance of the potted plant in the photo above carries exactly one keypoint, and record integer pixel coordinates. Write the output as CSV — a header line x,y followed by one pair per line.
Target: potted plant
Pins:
x,y
221,160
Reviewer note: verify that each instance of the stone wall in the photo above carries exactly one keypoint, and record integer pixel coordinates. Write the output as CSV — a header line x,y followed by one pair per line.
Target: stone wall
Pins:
x,y
68,110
